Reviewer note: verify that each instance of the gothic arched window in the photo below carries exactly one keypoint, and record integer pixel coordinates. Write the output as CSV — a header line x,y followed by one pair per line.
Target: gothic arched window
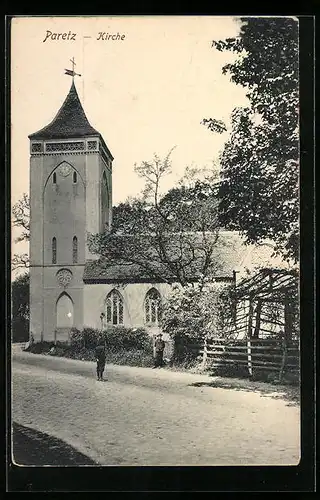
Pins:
x,y
54,178
64,311
104,202
75,250
75,177
114,308
54,250
152,307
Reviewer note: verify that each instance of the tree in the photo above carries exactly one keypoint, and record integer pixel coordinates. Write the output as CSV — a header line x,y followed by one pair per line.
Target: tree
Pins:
x,y
259,163
20,261
192,313
170,237
21,219
20,308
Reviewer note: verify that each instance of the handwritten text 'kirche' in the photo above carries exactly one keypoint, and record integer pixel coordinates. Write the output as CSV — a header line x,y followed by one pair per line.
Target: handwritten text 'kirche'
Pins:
x,y
102,35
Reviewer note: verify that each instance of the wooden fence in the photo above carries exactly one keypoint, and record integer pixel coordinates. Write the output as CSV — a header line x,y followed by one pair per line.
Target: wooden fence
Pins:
x,y
252,355
266,307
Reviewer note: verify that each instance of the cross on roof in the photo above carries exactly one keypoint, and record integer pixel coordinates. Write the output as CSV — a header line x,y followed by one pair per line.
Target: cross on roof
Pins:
x,y
73,63
72,72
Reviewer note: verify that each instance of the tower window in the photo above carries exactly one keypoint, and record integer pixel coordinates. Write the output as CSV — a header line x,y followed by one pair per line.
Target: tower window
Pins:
x,y
75,250
54,178
75,177
54,250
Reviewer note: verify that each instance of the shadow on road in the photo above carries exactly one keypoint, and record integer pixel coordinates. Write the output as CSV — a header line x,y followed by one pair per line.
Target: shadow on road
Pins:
x,y
31,447
289,394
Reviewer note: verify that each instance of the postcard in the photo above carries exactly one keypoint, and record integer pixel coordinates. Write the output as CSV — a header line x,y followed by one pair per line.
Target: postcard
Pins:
x,y
155,241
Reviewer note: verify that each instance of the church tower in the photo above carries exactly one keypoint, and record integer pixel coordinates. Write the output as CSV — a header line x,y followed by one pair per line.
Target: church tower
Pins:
x,y
70,196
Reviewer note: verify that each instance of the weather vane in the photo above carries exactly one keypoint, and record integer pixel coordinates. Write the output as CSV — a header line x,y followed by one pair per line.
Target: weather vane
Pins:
x,y
72,72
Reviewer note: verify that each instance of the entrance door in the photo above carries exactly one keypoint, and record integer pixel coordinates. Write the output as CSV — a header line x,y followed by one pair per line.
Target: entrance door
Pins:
x,y
64,311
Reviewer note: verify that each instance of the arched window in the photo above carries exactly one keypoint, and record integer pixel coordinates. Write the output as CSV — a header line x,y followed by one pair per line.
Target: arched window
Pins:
x,y
104,203
114,308
65,313
54,250
75,250
54,178
75,178
152,307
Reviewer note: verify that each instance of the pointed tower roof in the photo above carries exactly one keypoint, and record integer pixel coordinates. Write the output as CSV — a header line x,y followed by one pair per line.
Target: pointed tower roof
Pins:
x,y
70,121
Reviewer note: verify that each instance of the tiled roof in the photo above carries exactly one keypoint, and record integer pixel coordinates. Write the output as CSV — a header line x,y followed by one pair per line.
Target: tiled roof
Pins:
x,y
230,254
69,122
99,271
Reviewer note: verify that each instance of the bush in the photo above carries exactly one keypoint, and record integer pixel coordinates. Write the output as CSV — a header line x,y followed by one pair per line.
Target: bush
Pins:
x,y
188,362
183,354
76,337
125,346
195,312
40,347
133,357
229,371
115,355
20,309
90,337
20,330
121,338
116,338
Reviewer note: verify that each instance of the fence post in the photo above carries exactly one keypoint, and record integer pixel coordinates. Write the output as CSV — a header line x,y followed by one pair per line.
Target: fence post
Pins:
x,y
250,318
284,356
249,335
249,356
287,320
258,319
205,354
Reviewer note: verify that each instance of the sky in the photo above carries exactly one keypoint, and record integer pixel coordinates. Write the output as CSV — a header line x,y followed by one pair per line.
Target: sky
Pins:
x,y
145,93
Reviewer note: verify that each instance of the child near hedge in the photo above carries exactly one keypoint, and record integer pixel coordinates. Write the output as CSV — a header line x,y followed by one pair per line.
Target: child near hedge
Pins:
x,y
100,355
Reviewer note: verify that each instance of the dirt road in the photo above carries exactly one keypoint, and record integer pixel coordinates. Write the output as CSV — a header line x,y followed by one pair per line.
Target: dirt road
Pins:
x,y
142,416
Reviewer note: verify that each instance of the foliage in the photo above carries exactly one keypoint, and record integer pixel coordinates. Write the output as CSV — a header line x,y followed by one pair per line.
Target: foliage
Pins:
x,y
259,164
20,308
124,346
115,338
232,371
40,347
21,220
20,261
127,338
214,125
164,234
21,217
193,313
132,357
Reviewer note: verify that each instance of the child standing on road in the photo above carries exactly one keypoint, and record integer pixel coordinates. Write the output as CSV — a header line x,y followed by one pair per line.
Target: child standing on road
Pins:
x,y
100,355
159,346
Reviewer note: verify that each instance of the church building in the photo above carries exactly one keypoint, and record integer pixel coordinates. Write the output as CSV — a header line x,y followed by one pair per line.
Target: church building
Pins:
x,y
71,197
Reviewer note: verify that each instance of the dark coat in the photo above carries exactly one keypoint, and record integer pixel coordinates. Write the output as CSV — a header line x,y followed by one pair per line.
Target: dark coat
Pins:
x,y
100,353
159,345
